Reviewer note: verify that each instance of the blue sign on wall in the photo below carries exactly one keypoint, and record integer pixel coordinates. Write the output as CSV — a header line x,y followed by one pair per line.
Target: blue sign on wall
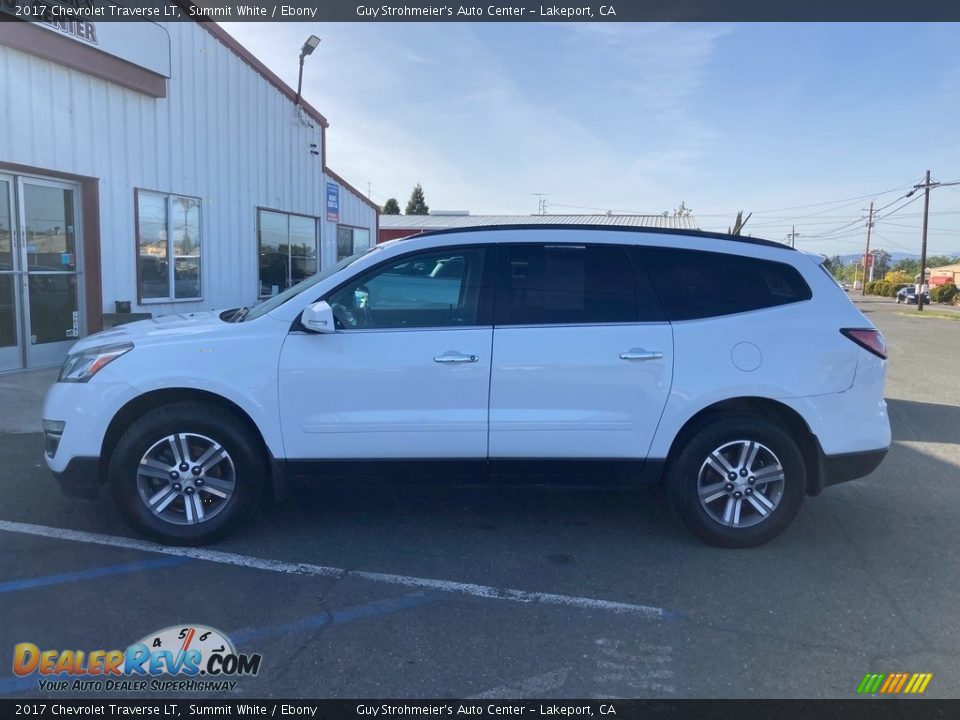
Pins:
x,y
333,202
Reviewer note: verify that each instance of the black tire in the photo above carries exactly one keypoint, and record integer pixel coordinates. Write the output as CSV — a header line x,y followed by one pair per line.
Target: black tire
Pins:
x,y
235,436
684,472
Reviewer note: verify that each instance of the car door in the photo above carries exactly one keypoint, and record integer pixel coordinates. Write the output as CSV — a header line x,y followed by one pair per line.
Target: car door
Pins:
x,y
407,372
582,355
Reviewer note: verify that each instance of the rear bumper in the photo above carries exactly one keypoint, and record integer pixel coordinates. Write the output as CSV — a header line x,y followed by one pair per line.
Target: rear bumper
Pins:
x,y
836,469
850,466
80,478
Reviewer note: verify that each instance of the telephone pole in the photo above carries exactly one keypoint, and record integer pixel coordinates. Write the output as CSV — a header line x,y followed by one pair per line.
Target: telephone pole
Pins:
x,y
926,185
793,235
923,240
541,203
866,253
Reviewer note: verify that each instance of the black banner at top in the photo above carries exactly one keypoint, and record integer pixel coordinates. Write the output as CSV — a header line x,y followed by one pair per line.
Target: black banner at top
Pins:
x,y
483,10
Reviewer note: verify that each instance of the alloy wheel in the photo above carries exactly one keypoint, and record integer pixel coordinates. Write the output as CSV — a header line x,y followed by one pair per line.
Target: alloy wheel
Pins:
x,y
740,483
186,478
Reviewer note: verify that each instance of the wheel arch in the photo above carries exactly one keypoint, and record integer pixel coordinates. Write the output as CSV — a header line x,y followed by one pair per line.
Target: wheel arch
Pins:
x,y
148,401
768,409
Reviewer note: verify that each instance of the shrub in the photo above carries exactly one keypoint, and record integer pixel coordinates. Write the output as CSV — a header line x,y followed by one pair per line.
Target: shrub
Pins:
x,y
945,293
870,288
897,277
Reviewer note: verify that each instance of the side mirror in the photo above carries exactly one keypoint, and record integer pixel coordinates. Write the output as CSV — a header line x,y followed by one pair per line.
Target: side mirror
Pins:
x,y
318,317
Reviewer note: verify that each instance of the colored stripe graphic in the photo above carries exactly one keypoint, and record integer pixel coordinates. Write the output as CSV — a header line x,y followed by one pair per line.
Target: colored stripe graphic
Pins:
x,y
894,683
900,682
871,683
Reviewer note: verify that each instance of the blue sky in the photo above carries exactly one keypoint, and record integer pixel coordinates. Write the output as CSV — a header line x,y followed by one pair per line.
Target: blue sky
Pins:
x,y
639,117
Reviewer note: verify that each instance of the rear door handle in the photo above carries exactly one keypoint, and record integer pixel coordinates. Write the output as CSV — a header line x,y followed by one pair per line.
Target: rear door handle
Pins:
x,y
641,354
455,358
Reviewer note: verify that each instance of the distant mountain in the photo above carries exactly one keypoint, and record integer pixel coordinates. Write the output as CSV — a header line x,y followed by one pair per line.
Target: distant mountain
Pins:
x,y
894,257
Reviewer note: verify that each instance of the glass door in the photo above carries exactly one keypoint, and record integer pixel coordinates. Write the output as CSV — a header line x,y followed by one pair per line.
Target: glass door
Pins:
x,y
50,224
11,352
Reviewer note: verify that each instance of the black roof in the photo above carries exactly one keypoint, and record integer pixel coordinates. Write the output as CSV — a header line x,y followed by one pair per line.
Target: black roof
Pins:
x,y
610,228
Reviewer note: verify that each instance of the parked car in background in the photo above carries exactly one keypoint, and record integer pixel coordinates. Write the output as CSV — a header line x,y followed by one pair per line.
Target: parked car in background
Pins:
x,y
727,369
908,295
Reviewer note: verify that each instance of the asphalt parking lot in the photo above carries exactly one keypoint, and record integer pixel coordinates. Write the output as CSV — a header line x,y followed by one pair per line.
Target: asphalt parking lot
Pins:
x,y
535,591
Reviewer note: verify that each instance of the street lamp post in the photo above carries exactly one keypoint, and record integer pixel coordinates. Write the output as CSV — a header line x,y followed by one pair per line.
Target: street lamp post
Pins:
x,y
308,47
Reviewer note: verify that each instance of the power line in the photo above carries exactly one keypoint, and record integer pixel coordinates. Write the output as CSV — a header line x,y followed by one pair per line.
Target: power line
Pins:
x,y
896,210
834,202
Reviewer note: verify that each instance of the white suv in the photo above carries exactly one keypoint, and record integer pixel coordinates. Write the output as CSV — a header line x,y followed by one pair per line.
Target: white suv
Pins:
x,y
732,371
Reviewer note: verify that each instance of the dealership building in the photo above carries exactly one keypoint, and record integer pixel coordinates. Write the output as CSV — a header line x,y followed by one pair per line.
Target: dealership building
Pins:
x,y
153,168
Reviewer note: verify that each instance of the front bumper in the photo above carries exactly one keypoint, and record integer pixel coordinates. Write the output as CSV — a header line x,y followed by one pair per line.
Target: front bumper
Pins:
x,y
80,478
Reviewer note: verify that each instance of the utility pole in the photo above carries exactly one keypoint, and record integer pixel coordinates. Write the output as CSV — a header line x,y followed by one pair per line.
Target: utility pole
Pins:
x,y
926,185
923,241
793,235
541,203
866,253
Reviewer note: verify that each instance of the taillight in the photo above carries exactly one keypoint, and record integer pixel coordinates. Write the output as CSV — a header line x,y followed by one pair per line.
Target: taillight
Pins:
x,y
869,339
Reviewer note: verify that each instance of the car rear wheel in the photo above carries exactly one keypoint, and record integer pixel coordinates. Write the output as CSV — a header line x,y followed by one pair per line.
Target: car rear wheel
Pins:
x,y
187,473
738,481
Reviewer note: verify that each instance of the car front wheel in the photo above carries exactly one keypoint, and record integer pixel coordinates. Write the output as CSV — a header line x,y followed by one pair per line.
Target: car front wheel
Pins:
x,y
738,481
187,473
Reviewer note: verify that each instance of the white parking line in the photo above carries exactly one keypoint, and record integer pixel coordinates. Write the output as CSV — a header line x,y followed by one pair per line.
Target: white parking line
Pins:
x,y
537,686
225,558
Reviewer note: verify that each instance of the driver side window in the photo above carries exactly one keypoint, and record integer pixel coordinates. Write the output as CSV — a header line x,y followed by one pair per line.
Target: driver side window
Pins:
x,y
438,288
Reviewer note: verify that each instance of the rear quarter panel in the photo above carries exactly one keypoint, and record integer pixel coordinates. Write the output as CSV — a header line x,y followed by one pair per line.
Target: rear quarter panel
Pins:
x,y
782,353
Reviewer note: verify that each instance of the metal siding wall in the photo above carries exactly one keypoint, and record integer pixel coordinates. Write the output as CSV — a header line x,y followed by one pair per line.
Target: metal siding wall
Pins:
x,y
223,134
353,211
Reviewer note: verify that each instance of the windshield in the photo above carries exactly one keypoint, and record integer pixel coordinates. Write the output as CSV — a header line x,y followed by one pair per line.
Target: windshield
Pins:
x,y
279,299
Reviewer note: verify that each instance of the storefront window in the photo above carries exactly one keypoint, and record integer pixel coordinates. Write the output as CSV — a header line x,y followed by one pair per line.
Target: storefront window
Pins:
x,y
351,240
287,250
168,246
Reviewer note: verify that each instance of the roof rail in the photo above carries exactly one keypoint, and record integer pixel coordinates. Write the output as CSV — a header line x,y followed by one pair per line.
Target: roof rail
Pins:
x,y
610,228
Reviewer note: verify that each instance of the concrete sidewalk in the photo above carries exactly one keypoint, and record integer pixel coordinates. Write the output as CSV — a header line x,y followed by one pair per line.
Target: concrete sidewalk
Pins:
x,y
21,399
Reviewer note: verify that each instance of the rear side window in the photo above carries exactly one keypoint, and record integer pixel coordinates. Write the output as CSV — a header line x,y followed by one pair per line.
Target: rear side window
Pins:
x,y
570,284
696,284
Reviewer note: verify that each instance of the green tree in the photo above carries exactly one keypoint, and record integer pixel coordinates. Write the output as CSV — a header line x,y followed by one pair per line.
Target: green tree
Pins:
x,y
881,263
417,205
909,266
834,265
391,207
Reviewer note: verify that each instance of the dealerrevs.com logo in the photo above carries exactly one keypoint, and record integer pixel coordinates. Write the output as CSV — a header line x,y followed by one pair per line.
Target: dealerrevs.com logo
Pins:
x,y
198,657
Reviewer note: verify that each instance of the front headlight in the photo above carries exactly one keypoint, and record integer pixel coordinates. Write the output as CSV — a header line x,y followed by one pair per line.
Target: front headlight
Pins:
x,y
83,365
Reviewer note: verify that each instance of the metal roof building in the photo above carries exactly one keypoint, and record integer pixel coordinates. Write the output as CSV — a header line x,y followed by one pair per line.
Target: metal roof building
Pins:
x,y
397,226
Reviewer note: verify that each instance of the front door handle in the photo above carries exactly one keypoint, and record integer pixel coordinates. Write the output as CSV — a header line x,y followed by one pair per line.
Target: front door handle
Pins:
x,y
641,354
455,358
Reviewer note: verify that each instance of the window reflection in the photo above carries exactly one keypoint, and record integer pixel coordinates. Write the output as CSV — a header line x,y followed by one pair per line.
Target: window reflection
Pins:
x,y
49,228
288,250
168,226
